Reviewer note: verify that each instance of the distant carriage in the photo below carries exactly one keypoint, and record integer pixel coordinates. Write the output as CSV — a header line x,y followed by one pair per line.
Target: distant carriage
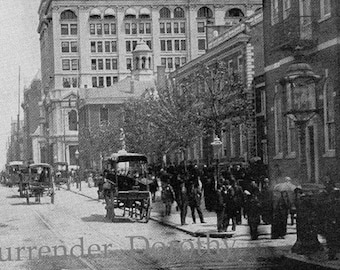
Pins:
x,y
40,182
126,185
15,171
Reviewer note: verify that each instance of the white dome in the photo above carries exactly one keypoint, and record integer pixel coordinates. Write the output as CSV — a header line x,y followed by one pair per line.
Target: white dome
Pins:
x,y
142,47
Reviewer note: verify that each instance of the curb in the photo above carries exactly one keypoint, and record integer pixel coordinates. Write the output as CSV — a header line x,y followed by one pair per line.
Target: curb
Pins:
x,y
304,263
195,234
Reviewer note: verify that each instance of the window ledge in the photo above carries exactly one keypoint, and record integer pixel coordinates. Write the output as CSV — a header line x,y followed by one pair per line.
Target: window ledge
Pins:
x,y
324,18
329,153
278,156
291,155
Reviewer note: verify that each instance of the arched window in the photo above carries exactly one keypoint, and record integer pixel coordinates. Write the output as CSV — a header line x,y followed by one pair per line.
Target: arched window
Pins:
x,y
72,120
130,13
234,12
109,14
204,12
95,14
179,13
329,116
68,15
144,13
165,13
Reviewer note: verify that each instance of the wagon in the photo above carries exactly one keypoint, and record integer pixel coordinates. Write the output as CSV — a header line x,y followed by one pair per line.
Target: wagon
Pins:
x,y
126,186
40,182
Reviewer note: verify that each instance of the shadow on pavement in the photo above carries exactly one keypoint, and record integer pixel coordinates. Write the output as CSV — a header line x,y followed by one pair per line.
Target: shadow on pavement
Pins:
x,y
31,203
13,197
102,218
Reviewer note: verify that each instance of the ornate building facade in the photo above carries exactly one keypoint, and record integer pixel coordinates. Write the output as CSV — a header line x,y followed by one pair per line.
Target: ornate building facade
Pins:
x,y
89,44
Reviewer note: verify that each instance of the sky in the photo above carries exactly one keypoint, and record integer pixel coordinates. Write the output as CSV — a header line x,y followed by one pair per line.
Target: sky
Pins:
x,y
19,46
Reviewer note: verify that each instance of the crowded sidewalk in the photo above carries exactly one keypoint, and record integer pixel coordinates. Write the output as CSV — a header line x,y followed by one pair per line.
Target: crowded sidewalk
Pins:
x,y
240,238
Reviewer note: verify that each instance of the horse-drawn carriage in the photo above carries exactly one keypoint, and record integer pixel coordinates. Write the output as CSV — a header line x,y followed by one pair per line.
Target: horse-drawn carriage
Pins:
x,y
15,175
126,185
39,181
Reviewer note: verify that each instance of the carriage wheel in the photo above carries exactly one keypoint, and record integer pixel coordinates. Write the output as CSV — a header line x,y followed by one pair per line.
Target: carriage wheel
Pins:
x,y
146,209
37,196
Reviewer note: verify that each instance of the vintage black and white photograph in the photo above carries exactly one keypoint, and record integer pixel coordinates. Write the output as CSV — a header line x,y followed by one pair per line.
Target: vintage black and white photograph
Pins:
x,y
169,134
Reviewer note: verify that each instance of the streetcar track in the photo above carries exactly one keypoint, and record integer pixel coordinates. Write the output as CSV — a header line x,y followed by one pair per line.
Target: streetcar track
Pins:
x,y
143,259
51,227
83,261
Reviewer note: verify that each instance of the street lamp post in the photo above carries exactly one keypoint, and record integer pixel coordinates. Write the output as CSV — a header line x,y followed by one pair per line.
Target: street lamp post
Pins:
x,y
300,88
78,174
217,145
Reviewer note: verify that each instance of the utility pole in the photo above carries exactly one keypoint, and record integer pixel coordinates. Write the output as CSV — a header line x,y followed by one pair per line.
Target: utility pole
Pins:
x,y
18,123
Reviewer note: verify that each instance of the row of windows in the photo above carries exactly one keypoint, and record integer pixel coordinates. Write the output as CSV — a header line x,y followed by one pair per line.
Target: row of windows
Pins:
x,y
100,29
172,27
171,62
131,44
108,46
143,28
144,13
170,45
70,82
69,46
69,29
102,81
110,64
70,64
203,12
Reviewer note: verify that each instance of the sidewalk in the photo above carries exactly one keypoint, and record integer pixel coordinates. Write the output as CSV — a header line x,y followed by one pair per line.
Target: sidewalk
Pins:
x,y
240,237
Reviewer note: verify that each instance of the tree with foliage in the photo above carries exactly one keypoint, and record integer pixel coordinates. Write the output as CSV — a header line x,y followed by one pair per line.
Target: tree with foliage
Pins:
x,y
162,122
98,141
220,95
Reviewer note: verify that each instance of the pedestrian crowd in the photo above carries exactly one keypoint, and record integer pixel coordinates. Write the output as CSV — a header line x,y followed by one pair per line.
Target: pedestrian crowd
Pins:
x,y
234,194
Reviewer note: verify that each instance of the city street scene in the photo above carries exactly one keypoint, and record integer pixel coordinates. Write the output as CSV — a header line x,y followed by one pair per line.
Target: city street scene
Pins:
x,y
187,134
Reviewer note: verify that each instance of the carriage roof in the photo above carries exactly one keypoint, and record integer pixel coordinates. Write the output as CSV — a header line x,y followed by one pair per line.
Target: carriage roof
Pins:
x,y
125,157
15,163
60,163
40,165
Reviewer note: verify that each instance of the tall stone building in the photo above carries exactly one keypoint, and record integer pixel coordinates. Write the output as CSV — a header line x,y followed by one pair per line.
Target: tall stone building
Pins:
x,y
89,44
